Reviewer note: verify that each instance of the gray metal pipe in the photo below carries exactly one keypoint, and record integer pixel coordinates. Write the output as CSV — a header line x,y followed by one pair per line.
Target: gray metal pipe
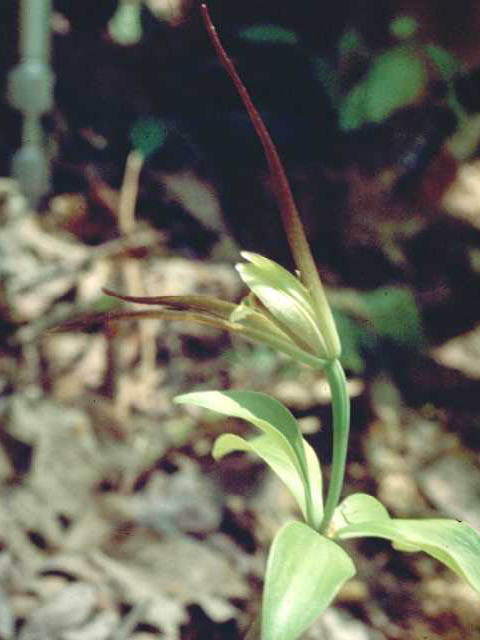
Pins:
x,y
35,18
30,90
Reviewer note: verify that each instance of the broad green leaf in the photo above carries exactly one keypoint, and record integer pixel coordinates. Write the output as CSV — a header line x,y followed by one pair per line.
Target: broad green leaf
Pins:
x,y
396,79
268,34
268,450
455,544
305,571
266,413
358,508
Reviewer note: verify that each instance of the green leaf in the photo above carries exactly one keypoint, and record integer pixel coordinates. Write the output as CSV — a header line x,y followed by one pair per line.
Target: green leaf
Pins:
x,y
403,27
396,79
125,27
394,314
268,415
358,508
268,34
305,571
268,450
455,544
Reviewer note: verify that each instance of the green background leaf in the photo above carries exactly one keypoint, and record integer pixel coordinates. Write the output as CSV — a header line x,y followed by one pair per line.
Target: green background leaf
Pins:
x,y
396,79
394,314
268,34
125,27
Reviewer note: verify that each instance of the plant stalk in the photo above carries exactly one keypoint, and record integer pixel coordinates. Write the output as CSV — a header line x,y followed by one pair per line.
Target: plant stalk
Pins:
x,y
341,427
290,217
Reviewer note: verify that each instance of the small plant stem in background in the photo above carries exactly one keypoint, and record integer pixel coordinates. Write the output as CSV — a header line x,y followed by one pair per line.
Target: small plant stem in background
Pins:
x,y
290,216
126,218
131,268
129,192
341,426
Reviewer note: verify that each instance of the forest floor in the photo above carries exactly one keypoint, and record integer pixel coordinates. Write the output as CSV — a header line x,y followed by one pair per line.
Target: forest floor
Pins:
x,y
115,522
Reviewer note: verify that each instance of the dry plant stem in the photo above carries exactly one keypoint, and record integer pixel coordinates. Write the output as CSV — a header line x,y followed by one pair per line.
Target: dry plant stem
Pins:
x,y
128,389
131,268
290,216
126,217
132,273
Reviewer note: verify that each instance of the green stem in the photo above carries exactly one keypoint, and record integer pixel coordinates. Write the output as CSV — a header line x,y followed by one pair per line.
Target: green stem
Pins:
x,y
341,426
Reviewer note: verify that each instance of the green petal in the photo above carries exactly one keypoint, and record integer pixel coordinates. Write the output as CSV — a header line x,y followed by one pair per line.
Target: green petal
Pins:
x,y
277,276
287,301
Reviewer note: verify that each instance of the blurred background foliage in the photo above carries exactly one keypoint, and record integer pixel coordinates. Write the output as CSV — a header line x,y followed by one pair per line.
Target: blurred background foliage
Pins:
x,y
155,180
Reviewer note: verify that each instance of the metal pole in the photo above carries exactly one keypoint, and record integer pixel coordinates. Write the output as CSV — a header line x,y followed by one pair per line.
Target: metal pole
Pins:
x,y
30,90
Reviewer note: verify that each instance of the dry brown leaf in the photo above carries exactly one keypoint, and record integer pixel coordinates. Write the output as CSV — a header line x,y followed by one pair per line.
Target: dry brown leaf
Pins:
x,y
102,627
461,353
70,607
133,584
186,500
